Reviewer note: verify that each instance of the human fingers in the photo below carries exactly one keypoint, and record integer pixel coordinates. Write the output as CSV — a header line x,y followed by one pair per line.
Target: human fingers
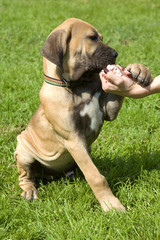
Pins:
x,y
113,78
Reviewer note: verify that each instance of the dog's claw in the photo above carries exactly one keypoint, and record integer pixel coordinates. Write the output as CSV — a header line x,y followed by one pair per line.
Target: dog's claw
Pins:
x,y
140,73
29,194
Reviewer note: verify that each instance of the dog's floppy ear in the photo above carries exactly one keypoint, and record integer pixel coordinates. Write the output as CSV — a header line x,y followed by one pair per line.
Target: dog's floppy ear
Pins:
x,y
55,46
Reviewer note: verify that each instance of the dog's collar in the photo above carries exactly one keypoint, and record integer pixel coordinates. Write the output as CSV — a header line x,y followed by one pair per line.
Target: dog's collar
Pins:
x,y
60,83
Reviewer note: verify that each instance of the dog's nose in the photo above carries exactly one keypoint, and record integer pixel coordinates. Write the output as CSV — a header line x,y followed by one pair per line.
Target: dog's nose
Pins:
x,y
114,54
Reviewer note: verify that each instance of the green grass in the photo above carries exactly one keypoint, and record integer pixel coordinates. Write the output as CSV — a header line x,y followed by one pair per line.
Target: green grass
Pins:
x,y
126,151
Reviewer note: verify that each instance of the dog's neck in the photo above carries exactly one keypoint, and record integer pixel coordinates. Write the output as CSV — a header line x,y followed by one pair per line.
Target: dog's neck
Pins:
x,y
54,76
50,69
52,73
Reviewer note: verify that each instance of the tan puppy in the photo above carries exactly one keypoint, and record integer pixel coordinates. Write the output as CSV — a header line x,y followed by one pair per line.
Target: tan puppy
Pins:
x,y
72,111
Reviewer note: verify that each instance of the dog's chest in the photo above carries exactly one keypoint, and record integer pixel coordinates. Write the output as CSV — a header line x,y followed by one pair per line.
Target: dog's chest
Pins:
x,y
89,117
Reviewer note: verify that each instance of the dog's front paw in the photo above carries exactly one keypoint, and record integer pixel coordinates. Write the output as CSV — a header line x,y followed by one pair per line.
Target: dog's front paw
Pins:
x,y
30,193
112,203
140,73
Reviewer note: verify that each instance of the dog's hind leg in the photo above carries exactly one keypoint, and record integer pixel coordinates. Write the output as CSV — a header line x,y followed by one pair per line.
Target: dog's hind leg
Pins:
x,y
27,177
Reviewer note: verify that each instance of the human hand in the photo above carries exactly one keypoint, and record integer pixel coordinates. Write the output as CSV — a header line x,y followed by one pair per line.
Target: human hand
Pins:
x,y
120,81
116,79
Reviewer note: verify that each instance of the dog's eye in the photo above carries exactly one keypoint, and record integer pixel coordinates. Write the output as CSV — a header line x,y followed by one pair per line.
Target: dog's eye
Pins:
x,y
93,38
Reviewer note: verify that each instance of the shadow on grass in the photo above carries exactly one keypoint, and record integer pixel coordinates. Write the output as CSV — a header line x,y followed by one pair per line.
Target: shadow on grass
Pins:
x,y
117,170
121,169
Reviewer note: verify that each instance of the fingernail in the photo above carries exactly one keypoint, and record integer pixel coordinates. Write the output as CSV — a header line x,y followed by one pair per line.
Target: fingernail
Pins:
x,y
106,70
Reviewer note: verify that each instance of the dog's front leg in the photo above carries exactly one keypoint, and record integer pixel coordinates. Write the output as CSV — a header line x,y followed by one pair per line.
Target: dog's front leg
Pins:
x,y
111,105
96,180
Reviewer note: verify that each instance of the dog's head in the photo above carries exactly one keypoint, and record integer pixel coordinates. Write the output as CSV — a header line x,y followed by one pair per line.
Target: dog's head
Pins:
x,y
76,47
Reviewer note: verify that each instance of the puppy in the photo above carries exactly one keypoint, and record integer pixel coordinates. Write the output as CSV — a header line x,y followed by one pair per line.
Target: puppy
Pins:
x,y
72,111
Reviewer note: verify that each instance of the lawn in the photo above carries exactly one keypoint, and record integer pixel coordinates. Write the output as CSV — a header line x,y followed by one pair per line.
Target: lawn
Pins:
x,y
127,149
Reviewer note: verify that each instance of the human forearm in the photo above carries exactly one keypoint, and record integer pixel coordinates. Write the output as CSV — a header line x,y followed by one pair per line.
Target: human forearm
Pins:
x,y
155,85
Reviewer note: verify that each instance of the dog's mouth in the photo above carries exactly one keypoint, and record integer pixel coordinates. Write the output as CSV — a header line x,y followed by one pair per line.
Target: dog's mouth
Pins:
x,y
101,58
101,65
92,68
